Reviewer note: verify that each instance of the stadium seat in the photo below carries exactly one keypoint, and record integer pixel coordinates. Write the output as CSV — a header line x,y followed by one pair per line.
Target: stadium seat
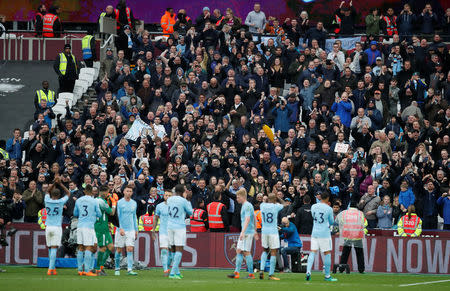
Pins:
x,y
83,84
88,75
62,97
59,109
97,69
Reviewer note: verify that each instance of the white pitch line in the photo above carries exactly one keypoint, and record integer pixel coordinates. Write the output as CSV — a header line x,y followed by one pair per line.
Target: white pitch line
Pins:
x,y
423,283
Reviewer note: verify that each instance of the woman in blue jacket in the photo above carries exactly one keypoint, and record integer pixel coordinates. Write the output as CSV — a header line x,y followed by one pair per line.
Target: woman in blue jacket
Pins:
x,y
343,108
281,113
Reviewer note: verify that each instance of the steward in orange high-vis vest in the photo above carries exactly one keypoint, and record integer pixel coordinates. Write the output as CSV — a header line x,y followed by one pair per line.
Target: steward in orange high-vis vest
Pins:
x,y
215,216
410,224
146,222
168,21
258,220
352,227
391,24
198,220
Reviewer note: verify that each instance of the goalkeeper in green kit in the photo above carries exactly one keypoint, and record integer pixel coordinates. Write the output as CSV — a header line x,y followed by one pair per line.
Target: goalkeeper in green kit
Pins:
x,y
104,238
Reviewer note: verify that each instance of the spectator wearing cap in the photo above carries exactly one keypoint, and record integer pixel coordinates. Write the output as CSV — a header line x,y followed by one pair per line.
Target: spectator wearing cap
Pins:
x,y
125,41
418,89
106,64
203,18
372,53
66,68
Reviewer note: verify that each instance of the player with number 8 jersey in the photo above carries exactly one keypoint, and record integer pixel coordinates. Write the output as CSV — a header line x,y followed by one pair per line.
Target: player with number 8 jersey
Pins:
x,y
270,238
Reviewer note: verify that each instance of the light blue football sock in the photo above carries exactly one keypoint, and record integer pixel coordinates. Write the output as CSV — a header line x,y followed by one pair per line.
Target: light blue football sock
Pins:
x,y
327,263
80,259
239,259
262,266
310,262
273,261
249,261
176,263
117,260
130,261
52,258
87,260
164,258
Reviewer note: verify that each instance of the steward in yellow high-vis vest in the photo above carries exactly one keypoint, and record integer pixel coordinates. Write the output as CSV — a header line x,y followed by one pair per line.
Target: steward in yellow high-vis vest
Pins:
x,y
88,49
66,67
46,94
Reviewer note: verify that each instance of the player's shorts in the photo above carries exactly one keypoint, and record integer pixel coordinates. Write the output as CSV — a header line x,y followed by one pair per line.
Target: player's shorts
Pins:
x,y
322,244
126,240
86,236
271,241
245,244
53,236
163,241
104,238
177,237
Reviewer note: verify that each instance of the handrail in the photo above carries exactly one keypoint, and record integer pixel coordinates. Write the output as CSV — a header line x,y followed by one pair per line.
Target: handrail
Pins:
x,y
107,41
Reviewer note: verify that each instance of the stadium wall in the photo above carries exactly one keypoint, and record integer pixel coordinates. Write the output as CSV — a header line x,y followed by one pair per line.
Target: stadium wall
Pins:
x,y
384,252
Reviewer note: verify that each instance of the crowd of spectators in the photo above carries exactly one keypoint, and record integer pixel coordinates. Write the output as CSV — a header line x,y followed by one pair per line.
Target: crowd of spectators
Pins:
x,y
369,125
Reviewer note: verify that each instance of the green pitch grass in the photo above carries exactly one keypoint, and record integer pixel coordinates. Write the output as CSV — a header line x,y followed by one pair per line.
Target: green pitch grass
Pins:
x,y
31,278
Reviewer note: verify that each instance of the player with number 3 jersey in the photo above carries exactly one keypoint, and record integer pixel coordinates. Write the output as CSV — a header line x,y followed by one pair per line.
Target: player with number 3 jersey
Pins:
x,y
323,218
87,210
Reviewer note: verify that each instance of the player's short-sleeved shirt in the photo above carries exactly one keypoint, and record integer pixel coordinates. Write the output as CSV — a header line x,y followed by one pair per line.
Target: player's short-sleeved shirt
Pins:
x,y
269,215
247,210
87,211
54,210
323,218
162,210
126,212
178,208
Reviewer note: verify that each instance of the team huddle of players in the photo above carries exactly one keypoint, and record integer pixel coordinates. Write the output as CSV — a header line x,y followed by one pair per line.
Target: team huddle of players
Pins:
x,y
93,233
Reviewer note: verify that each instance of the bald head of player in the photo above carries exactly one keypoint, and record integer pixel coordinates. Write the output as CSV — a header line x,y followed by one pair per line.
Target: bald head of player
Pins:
x,y
272,198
